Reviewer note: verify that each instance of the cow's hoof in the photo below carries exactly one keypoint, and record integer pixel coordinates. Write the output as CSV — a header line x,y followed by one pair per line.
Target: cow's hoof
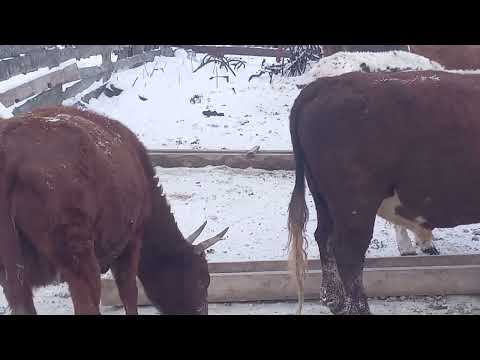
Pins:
x,y
431,251
359,308
336,304
349,309
336,308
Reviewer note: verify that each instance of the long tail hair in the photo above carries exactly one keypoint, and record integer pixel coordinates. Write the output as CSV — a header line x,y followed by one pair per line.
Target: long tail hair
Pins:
x,y
297,216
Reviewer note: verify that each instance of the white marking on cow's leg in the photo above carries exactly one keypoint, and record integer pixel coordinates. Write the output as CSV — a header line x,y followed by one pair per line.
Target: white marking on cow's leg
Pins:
x,y
424,237
404,243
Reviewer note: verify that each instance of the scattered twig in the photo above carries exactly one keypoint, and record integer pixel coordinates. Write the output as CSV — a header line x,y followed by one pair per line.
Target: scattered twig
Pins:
x,y
222,62
221,76
154,68
300,56
209,113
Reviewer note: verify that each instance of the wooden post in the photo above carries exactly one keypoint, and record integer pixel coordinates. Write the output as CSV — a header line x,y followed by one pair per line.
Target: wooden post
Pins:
x,y
107,64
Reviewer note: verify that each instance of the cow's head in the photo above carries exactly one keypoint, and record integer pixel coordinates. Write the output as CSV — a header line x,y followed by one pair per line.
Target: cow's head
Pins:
x,y
174,271
196,276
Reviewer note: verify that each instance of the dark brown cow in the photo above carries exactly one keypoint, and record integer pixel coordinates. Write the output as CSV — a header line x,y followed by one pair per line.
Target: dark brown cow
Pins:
x,y
78,196
403,143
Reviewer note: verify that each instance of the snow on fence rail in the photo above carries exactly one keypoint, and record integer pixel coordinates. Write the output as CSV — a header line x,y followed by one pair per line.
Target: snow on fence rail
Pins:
x,y
238,50
38,87
266,160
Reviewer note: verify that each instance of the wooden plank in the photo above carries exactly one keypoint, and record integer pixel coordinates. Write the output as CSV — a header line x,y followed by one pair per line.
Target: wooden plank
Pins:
x,y
82,85
278,285
137,60
91,72
237,50
225,152
266,160
39,85
377,262
51,97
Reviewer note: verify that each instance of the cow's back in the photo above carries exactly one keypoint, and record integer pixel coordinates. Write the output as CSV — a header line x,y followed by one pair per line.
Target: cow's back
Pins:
x,y
61,160
417,131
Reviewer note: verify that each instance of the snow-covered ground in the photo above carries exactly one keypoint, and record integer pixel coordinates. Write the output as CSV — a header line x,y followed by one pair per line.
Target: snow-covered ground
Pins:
x,y
55,300
255,112
254,203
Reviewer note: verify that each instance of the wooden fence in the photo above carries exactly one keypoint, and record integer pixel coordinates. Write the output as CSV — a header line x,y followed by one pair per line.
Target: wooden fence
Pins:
x,y
392,276
256,50
48,89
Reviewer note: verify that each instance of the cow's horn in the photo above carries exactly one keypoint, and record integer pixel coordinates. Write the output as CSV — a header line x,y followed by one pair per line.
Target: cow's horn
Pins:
x,y
204,245
192,237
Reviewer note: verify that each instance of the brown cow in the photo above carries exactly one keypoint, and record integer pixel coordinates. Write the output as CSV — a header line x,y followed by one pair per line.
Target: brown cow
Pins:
x,y
79,196
403,142
463,57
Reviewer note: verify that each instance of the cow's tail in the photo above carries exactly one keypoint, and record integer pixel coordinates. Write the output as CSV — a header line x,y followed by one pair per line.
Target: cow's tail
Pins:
x,y
297,215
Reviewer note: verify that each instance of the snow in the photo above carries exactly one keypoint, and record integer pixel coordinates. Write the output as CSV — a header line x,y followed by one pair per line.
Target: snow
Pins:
x,y
95,60
78,97
257,216
5,112
69,84
20,79
55,300
255,112
344,62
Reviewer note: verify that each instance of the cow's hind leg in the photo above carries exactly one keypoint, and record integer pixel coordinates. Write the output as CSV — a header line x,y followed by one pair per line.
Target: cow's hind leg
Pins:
x,y
16,285
83,279
79,267
125,271
353,229
332,292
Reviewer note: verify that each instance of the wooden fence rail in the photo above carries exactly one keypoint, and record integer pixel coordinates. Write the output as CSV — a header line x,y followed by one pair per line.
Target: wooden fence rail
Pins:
x,y
238,50
48,88
267,160
390,276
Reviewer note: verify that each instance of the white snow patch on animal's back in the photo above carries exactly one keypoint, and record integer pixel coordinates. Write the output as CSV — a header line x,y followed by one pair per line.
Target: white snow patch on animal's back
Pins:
x,y
345,62
56,118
